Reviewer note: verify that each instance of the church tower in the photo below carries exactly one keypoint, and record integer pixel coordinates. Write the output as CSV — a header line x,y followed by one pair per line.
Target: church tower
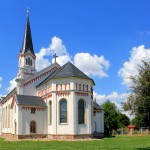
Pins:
x,y
27,56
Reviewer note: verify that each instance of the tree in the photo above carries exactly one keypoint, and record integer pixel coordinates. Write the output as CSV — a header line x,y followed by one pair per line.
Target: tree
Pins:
x,y
124,120
111,117
139,100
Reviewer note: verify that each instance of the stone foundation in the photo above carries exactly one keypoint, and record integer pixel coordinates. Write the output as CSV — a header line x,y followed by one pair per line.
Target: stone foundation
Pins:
x,y
71,137
41,136
28,136
32,136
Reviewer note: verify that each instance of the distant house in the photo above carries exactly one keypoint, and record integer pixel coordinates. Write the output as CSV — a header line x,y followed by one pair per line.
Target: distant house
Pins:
x,y
55,103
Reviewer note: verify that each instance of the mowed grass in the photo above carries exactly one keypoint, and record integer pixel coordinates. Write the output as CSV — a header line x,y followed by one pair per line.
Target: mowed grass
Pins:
x,y
115,143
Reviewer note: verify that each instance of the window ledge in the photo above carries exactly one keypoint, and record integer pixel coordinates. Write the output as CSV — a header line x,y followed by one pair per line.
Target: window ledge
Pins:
x,y
63,123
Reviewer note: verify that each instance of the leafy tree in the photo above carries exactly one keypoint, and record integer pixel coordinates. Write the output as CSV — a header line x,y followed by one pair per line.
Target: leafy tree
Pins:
x,y
111,117
124,120
139,100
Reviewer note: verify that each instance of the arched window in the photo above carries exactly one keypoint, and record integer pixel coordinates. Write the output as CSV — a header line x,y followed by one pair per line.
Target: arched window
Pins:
x,y
15,127
81,112
32,127
8,116
63,111
30,62
50,112
26,61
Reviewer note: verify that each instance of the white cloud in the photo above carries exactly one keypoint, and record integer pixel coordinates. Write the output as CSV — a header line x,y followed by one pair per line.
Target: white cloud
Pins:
x,y
0,81
57,47
12,85
91,65
61,60
129,68
113,97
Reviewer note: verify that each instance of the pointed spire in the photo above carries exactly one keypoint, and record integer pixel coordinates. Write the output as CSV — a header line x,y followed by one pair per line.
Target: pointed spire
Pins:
x,y
27,40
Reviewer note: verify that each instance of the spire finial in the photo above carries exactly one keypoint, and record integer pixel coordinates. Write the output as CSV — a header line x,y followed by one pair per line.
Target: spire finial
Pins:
x,y
28,11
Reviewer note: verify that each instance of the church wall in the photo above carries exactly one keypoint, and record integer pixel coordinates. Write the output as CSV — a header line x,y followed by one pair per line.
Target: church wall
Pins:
x,y
29,87
59,88
0,119
39,117
66,128
7,116
85,128
98,124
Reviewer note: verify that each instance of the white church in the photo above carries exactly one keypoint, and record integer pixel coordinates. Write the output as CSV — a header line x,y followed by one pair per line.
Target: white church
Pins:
x,y
55,103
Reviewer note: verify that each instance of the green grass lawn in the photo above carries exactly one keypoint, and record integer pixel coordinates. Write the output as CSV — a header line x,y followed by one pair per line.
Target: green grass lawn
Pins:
x,y
115,143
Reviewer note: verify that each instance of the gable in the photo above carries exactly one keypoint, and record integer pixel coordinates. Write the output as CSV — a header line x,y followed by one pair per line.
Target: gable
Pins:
x,y
66,71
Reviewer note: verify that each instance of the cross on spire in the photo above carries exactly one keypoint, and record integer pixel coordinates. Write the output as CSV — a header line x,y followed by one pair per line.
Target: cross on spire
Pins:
x,y
55,56
28,12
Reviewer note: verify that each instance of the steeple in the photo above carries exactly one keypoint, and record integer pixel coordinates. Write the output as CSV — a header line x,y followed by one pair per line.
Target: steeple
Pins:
x,y
27,45
27,58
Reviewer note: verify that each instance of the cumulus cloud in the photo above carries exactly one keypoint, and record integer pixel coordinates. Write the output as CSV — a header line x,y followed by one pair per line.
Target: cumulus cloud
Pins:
x,y
61,60
0,81
137,54
57,47
91,64
113,97
12,85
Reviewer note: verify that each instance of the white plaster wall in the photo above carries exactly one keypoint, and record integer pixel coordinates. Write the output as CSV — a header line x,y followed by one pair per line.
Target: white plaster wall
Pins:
x,y
61,128
87,127
72,126
0,119
30,89
98,124
40,117
6,129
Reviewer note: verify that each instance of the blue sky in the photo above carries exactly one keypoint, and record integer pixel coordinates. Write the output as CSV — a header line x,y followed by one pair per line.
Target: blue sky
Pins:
x,y
101,37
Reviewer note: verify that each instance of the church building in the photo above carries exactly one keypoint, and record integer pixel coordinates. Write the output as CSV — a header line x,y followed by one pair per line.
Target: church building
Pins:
x,y
55,103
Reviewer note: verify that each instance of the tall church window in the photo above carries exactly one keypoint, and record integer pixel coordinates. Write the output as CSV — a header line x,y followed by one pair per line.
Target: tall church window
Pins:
x,y
79,87
32,127
50,112
6,117
87,88
81,112
63,111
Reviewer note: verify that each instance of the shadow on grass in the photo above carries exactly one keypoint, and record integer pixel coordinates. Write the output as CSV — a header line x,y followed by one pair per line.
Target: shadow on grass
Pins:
x,y
145,148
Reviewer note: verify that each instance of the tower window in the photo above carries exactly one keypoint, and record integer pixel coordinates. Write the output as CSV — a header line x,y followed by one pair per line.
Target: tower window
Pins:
x,y
26,61
29,61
